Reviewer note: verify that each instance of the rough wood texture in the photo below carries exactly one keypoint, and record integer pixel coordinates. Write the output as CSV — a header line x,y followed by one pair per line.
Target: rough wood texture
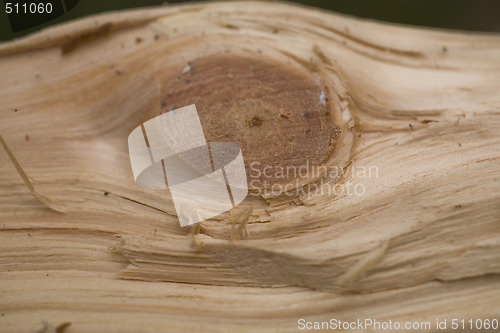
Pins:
x,y
293,86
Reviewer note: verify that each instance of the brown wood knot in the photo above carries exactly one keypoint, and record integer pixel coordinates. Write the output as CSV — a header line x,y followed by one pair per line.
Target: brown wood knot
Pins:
x,y
280,117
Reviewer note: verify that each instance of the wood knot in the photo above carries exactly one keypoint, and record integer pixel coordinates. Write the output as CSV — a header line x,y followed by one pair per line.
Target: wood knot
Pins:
x,y
276,114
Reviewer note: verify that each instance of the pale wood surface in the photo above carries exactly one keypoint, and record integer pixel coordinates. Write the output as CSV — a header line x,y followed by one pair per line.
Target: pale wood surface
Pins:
x,y
423,241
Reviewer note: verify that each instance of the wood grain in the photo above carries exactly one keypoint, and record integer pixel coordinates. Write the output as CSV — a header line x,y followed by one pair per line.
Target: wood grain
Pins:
x,y
293,86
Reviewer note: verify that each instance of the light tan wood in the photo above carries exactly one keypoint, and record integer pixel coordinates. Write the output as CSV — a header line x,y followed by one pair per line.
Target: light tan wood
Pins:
x,y
418,108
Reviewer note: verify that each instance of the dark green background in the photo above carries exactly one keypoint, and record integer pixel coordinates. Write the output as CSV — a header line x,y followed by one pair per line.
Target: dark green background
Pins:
x,y
474,15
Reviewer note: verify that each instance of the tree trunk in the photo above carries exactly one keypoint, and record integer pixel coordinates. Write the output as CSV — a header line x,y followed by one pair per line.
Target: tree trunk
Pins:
x,y
372,155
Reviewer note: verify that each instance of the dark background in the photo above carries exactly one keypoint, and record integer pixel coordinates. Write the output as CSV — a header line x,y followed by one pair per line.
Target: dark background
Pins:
x,y
472,15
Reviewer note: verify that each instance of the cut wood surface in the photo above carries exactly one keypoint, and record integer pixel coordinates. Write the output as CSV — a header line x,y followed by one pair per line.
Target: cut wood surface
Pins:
x,y
397,216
